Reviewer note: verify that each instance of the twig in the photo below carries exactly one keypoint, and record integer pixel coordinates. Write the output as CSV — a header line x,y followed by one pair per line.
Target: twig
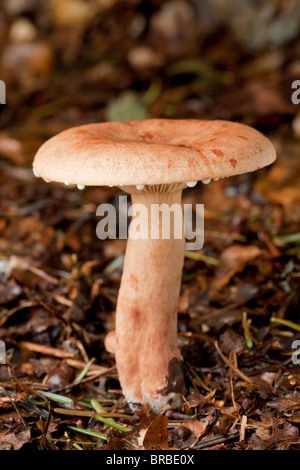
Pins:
x,y
86,413
46,427
202,336
91,378
46,350
233,356
18,412
7,314
80,365
235,369
243,428
212,441
40,273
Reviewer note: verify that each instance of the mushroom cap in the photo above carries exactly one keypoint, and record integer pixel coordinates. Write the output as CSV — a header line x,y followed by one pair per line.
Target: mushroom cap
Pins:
x,y
152,151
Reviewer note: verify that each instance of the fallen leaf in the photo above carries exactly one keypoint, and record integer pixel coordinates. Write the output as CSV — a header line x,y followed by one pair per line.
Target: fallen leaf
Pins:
x,y
156,436
233,260
14,441
200,428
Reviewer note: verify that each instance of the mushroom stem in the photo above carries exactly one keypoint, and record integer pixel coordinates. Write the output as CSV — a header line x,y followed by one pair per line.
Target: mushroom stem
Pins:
x,y
147,356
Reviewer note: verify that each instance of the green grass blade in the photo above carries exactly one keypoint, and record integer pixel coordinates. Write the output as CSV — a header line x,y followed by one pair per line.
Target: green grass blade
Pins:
x,y
287,323
109,421
89,432
77,446
83,373
55,397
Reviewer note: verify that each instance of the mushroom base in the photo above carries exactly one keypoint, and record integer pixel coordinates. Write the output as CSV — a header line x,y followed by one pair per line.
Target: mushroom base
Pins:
x,y
147,356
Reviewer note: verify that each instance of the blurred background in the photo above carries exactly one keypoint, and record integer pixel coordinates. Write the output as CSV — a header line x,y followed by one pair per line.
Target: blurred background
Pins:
x,y
71,62
68,62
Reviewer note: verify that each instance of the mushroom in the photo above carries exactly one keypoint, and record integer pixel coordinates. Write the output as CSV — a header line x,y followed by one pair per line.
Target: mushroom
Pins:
x,y
153,160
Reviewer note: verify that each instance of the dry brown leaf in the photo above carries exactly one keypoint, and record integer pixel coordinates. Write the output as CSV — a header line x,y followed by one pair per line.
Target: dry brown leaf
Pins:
x,y
156,436
14,441
200,428
233,260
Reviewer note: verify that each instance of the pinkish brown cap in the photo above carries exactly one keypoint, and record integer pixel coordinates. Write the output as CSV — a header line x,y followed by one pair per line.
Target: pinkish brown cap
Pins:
x,y
153,151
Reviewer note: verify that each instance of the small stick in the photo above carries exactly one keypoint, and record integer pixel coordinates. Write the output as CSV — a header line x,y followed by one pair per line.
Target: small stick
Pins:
x,y
63,301
64,411
233,356
26,387
80,365
46,350
18,412
243,428
235,369
7,314
202,336
47,424
91,378
212,441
